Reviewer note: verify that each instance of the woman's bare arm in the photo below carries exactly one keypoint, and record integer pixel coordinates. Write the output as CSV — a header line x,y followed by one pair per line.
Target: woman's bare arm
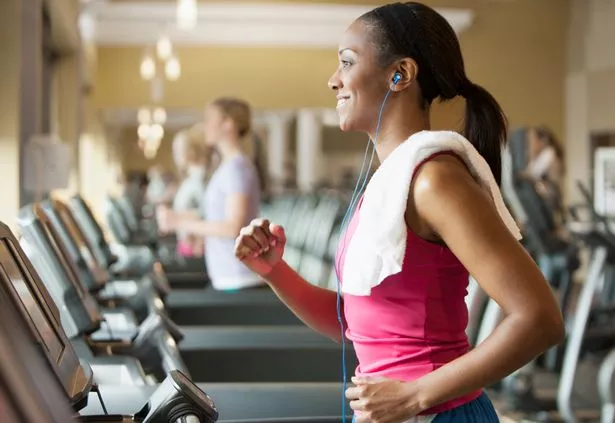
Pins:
x,y
315,306
451,203
260,246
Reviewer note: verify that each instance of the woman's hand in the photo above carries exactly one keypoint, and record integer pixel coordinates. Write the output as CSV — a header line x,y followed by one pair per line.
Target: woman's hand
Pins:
x,y
165,219
260,246
381,400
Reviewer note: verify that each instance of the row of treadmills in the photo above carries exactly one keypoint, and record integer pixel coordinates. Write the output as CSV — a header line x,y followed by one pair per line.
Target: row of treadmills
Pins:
x,y
83,341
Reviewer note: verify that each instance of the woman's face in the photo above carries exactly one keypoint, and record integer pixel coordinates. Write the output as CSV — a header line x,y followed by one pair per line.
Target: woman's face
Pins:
x,y
359,82
216,125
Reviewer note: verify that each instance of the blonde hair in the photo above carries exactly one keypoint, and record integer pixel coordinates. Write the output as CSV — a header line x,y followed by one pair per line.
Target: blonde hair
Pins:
x,y
191,146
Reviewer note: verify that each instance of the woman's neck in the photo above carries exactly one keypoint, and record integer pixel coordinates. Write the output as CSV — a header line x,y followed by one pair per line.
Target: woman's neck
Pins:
x,y
229,149
394,130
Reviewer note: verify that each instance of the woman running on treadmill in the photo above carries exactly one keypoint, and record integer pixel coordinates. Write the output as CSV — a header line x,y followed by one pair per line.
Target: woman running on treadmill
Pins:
x,y
231,198
415,362
193,160
546,167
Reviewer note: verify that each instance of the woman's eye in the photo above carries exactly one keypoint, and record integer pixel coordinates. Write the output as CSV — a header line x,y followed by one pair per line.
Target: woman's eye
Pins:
x,y
345,64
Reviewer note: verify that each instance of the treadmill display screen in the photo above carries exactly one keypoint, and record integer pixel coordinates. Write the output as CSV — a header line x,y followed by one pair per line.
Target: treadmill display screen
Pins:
x,y
16,273
77,235
61,255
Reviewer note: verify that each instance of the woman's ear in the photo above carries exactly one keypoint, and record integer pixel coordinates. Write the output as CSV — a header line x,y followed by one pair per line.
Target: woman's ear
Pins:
x,y
408,69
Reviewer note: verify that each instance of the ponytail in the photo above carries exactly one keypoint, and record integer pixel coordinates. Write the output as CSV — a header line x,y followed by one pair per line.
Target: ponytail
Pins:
x,y
258,159
485,126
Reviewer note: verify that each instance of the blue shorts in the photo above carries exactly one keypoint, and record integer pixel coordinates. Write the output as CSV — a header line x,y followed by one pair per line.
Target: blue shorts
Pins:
x,y
478,411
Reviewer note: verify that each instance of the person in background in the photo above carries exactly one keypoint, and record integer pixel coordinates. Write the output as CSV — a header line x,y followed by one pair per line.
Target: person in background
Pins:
x,y
546,167
155,185
161,186
230,200
194,162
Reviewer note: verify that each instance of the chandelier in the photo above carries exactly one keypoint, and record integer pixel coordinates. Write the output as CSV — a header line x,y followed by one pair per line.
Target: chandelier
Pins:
x,y
151,130
164,60
155,63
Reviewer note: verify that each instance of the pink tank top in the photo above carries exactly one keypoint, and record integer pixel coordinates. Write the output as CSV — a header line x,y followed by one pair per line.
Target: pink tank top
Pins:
x,y
414,321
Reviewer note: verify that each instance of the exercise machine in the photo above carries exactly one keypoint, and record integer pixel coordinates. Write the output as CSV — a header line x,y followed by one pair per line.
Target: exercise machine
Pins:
x,y
235,402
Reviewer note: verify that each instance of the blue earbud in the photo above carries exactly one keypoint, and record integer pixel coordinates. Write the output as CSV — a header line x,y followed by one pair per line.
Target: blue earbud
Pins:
x,y
396,78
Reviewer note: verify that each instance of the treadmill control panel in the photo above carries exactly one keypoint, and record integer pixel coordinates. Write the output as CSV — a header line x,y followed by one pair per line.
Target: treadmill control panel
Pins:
x,y
187,386
176,398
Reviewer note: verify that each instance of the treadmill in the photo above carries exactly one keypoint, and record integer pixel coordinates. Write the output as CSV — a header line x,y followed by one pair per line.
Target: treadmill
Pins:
x,y
175,399
124,223
29,391
261,307
241,353
141,296
177,394
115,331
257,306
145,265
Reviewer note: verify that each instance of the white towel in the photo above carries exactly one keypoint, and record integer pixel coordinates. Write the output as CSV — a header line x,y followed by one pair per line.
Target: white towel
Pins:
x,y
378,245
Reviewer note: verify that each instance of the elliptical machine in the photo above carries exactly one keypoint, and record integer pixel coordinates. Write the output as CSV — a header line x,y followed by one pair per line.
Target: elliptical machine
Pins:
x,y
556,255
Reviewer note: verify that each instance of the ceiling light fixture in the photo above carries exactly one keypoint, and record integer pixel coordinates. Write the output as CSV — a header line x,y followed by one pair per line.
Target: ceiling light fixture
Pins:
x,y
172,69
148,68
187,14
164,48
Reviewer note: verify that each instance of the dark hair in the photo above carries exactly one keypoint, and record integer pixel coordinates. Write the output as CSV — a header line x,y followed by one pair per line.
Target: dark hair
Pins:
x,y
417,31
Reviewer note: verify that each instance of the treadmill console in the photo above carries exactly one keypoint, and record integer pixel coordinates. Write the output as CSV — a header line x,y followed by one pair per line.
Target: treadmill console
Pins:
x,y
178,398
37,308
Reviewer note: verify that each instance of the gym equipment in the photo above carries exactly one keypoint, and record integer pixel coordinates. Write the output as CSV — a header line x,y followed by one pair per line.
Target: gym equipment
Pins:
x,y
140,295
583,388
125,261
123,222
297,229
477,302
557,258
176,397
192,307
315,264
271,402
248,307
153,341
236,350
29,391
258,306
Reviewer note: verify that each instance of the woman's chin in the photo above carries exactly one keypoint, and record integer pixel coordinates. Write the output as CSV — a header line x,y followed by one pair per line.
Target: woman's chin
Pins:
x,y
345,123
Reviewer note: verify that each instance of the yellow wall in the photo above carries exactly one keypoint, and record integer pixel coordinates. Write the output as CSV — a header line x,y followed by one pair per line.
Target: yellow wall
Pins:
x,y
10,55
516,49
590,105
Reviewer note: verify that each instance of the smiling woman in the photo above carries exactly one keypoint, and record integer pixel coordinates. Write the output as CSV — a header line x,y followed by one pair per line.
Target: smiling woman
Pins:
x,y
404,310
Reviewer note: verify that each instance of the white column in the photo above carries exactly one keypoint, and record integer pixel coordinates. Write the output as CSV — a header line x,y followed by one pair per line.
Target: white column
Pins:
x,y
309,140
278,137
577,144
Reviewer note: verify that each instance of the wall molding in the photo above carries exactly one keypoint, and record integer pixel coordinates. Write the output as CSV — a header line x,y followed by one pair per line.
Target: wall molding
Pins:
x,y
305,25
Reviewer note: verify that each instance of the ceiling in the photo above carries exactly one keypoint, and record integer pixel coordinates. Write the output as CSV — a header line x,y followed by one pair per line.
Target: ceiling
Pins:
x,y
305,24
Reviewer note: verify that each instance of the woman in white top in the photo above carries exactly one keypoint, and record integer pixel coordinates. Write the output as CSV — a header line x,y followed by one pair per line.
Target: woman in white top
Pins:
x,y
231,199
193,161
545,166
